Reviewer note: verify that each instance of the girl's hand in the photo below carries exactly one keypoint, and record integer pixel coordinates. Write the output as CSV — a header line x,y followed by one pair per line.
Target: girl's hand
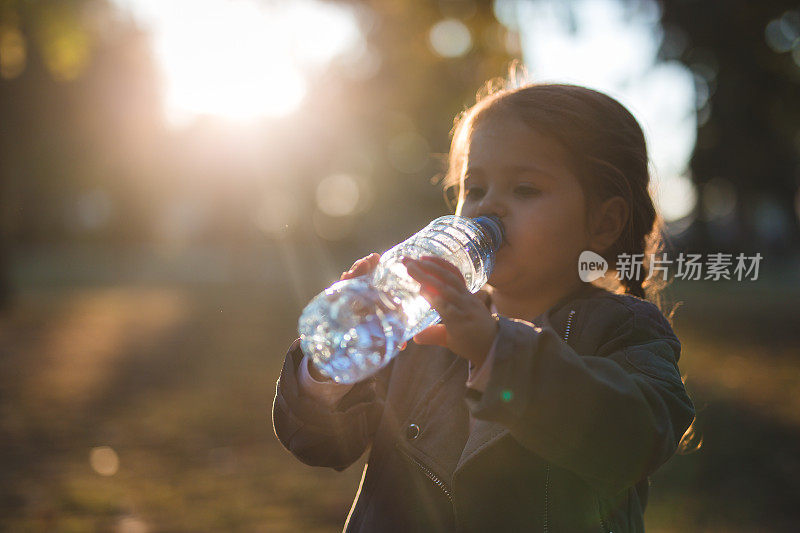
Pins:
x,y
468,328
365,265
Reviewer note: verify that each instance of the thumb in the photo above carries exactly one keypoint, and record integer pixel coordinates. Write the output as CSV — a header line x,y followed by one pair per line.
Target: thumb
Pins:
x,y
436,334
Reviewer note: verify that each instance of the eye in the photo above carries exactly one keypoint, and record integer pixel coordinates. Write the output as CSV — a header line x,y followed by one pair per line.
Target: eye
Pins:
x,y
474,192
526,190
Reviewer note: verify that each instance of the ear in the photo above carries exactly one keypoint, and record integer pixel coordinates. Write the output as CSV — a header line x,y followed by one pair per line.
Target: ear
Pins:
x,y
606,223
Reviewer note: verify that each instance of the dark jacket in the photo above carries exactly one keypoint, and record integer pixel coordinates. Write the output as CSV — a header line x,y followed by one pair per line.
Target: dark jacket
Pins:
x,y
581,406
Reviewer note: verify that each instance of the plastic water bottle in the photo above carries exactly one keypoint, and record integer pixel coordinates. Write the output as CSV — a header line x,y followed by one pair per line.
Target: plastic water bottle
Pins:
x,y
355,327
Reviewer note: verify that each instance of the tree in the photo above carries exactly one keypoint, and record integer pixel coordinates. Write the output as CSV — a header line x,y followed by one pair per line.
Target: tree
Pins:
x,y
749,111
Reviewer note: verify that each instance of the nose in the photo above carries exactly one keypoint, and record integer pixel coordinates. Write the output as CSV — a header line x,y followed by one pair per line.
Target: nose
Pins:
x,y
493,204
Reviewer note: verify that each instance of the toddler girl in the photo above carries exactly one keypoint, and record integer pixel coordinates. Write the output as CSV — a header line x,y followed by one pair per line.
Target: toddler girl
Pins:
x,y
540,403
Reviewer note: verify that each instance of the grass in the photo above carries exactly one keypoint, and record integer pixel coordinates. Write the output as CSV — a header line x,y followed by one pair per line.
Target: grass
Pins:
x,y
179,381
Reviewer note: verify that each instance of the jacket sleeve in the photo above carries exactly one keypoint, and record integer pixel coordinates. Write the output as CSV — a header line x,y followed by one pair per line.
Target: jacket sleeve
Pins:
x,y
478,377
613,417
317,433
329,392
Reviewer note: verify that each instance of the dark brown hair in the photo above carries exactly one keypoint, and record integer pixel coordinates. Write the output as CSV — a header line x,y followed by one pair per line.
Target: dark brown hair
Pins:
x,y
608,154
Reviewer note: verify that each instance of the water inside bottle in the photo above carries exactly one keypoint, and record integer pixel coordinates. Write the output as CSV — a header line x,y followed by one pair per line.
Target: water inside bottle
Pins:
x,y
355,327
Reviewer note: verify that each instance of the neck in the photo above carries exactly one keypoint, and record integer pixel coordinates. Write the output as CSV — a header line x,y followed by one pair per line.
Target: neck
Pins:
x,y
529,307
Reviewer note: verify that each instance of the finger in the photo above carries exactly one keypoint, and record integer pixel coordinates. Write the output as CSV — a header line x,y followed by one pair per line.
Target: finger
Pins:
x,y
448,306
446,280
443,270
362,266
442,262
448,310
353,272
369,262
431,284
436,334
447,269
349,275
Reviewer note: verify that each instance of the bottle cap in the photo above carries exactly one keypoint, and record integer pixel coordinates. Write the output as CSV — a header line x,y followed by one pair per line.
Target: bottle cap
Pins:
x,y
493,227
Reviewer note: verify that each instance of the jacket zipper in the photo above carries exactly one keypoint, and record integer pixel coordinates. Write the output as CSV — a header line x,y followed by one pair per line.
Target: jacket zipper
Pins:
x,y
433,477
547,469
443,486
602,520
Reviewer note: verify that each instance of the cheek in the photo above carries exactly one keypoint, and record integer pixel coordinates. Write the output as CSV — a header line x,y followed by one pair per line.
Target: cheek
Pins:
x,y
557,230
571,235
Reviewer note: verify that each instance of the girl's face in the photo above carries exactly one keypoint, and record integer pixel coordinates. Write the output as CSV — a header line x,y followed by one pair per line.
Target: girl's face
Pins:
x,y
523,177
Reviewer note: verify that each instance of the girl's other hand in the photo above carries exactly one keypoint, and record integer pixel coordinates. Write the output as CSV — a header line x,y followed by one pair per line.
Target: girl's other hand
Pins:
x,y
468,328
363,266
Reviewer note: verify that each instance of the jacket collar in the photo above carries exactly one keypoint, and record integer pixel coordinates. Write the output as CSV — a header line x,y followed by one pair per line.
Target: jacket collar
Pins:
x,y
584,290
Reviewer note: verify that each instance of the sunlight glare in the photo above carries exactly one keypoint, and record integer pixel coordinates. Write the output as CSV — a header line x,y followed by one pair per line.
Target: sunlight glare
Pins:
x,y
241,59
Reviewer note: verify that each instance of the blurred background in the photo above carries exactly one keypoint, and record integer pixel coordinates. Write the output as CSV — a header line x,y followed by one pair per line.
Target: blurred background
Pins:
x,y
179,178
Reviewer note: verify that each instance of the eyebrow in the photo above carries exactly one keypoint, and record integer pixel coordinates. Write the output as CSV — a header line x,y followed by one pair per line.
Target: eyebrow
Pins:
x,y
514,170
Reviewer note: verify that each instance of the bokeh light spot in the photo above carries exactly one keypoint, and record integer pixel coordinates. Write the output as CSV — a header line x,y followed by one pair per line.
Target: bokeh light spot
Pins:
x,y
719,198
93,209
675,196
450,38
131,524
12,53
507,395
338,195
783,34
64,43
104,460
408,152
